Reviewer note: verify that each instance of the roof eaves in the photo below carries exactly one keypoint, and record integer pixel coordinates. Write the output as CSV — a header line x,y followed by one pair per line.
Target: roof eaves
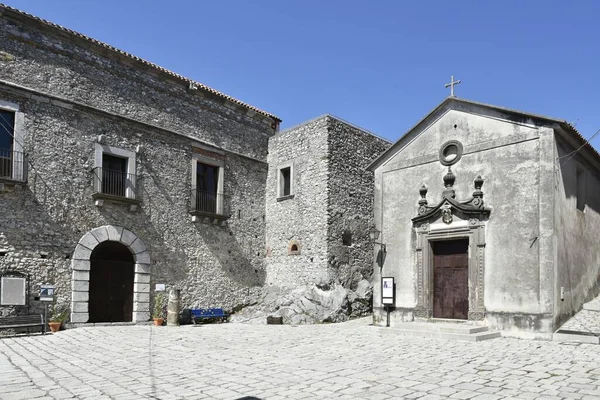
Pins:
x,y
191,83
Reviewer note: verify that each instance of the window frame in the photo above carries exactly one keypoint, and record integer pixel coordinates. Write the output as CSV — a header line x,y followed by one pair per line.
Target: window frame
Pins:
x,y
101,149
19,165
280,182
220,164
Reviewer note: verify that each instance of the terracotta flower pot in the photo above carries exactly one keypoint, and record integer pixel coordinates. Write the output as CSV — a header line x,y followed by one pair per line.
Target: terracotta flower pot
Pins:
x,y
54,326
158,321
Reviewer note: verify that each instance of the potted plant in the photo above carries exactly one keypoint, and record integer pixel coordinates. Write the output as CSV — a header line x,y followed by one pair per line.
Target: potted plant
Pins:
x,y
158,314
57,315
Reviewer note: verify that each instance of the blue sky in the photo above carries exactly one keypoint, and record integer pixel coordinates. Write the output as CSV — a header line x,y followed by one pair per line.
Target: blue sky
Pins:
x,y
381,65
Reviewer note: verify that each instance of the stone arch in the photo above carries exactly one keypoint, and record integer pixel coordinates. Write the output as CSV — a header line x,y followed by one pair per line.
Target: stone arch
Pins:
x,y
80,264
293,247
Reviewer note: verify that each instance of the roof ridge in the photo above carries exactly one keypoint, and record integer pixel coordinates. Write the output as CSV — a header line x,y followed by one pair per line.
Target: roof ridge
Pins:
x,y
192,83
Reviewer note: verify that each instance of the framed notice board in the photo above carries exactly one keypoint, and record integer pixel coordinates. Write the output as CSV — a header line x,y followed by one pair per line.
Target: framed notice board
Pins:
x,y
387,291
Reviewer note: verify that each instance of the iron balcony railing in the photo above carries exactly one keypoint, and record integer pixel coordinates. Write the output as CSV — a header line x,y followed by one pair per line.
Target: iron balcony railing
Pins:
x,y
13,165
209,203
114,183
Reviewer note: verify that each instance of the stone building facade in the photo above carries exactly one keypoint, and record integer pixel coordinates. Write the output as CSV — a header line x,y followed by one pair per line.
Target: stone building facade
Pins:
x,y
125,163
488,214
319,207
117,175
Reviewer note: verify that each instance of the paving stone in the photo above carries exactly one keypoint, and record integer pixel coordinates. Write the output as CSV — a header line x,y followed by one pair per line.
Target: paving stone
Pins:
x,y
305,362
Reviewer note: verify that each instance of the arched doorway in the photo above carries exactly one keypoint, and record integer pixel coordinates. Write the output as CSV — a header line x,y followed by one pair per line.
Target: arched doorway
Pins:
x,y
111,283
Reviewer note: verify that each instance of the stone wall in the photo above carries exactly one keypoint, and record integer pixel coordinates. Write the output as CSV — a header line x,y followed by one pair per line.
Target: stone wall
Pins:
x,y
303,217
70,91
332,195
577,231
350,208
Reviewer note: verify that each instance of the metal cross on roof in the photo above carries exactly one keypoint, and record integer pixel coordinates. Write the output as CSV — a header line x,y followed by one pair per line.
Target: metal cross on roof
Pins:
x,y
451,85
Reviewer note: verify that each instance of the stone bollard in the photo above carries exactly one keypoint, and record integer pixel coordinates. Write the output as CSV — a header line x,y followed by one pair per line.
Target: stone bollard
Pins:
x,y
173,307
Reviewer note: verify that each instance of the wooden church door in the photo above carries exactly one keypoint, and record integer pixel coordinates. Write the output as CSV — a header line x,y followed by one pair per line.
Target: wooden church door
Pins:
x,y
451,279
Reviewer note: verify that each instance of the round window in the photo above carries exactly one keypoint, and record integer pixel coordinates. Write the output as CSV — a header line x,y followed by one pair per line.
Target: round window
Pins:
x,y
451,152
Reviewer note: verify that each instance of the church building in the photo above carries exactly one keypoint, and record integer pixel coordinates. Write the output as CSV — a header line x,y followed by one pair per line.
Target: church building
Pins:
x,y
489,215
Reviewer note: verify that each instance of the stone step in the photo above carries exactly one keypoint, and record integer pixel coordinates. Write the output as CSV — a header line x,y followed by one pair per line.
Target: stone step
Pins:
x,y
466,337
592,305
575,336
448,327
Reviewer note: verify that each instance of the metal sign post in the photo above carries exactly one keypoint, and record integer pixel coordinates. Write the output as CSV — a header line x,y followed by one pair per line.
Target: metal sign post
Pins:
x,y
387,296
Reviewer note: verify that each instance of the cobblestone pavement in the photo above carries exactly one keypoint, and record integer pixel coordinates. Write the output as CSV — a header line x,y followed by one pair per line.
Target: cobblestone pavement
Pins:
x,y
237,361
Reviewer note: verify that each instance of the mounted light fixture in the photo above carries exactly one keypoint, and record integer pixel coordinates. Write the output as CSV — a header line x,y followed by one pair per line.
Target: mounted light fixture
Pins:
x,y
374,235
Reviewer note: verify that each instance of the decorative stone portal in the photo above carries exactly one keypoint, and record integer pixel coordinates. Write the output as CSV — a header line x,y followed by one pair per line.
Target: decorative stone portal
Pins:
x,y
81,264
451,219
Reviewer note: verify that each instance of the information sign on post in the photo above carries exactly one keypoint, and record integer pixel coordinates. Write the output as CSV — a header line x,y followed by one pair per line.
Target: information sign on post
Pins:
x,y
46,293
387,291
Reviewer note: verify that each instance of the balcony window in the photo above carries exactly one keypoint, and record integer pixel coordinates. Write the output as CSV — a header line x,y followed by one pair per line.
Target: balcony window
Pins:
x,y
207,199
13,162
114,174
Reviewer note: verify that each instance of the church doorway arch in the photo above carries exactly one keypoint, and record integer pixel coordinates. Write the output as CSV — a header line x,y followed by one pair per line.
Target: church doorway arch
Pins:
x,y
111,283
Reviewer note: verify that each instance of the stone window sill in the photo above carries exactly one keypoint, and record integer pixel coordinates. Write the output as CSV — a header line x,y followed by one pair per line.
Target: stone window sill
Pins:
x,y
101,197
288,197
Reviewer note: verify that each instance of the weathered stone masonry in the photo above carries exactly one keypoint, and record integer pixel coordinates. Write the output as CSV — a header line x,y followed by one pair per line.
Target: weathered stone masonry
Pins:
x,y
74,93
328,214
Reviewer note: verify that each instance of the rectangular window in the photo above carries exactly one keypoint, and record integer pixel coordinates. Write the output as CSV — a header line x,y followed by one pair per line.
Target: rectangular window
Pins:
x,y
207,186
7,132
285,181
580,182
114,175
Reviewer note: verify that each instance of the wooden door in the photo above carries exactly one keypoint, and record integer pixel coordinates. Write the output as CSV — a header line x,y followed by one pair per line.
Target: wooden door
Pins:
x,y
451,279
111,291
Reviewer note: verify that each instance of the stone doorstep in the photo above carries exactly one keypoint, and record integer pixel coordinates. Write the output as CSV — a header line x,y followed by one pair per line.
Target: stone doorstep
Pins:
x,y
583,337
72,325
465,337
593,305
446,326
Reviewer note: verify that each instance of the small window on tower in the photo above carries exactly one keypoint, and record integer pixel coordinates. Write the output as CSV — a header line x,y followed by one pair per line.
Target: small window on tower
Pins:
x,y
285,184
347,238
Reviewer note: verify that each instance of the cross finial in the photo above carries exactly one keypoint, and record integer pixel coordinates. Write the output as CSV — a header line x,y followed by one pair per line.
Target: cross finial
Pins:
x,y
451,85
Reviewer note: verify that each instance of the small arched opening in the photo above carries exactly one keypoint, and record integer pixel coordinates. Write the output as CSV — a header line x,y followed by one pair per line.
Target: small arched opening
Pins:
x,y
111,283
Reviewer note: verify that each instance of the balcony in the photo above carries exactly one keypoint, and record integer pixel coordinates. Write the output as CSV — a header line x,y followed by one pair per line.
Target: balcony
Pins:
x,y
209,205
115,186
13,166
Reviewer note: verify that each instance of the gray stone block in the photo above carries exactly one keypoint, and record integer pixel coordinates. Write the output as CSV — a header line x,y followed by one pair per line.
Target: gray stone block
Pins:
x,y
79,307
141,287
79,317
81,286
81,276
138,246
141,306
141,316
81,253
80,296
89,241
141,297
128,237
141,278
114,232
143,257
100,234
143,268
80,265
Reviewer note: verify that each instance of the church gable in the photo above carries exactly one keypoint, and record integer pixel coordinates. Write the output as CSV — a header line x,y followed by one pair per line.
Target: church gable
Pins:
x,y
473,127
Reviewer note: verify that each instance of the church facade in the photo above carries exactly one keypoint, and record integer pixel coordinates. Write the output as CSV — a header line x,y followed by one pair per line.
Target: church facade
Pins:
x,y
491,215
